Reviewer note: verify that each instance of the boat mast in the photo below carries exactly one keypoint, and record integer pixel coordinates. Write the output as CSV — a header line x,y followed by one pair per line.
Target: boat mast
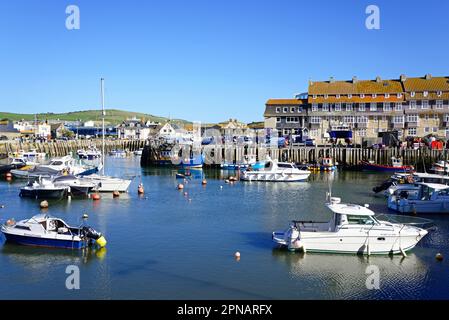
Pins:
x,y
103,113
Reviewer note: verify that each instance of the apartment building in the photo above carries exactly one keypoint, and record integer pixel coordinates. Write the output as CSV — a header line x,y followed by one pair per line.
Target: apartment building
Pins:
x,y
361,109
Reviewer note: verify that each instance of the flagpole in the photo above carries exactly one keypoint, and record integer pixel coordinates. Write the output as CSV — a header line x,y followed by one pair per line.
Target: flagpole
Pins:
x,y
103,113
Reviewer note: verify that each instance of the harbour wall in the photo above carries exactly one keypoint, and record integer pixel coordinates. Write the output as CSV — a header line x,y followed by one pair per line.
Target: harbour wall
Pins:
x,y
346,157
62,148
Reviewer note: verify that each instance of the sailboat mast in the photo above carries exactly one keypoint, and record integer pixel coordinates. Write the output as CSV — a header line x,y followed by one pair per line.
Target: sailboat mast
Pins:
x,y
103,113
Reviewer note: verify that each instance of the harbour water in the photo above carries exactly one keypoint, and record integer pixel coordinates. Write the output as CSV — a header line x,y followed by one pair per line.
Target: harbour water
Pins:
x,y
168,245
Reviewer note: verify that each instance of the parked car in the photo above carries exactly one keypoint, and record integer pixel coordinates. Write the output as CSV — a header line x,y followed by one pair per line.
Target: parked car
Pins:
x,y
310,143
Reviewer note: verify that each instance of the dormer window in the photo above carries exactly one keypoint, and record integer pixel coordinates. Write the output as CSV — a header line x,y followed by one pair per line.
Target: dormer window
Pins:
x,y
326,96
285,110
338,96
314,96
399,95
439,93
426,93
387,95
412,94
350,96
292,109
278,109
374,95
362,96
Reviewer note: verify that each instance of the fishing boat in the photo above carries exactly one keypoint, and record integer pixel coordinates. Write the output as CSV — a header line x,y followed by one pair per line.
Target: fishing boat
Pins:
x,y
408,180
275,171
248,161
327,164
91,154
352,229
396,165
440,167
34,155
44,189
421,198
47,231
118,153
195,161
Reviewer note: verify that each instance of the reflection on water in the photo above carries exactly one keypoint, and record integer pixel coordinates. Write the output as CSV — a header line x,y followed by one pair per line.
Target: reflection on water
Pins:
x,y
344,276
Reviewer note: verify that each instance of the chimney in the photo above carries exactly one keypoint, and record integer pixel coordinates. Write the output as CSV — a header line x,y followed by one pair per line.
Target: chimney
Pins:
x,y
428,76
378,79
331,80
403,77
354,79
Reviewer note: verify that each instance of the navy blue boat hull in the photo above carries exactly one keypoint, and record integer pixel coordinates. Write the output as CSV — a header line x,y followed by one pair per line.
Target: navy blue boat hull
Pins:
x,y
44,242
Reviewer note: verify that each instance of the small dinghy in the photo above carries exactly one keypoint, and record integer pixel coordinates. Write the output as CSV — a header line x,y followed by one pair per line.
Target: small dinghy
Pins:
x,y
352,229
47,231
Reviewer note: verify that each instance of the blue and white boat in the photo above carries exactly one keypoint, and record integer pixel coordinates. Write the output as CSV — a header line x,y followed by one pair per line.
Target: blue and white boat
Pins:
x,y
246,163
47,231
196,161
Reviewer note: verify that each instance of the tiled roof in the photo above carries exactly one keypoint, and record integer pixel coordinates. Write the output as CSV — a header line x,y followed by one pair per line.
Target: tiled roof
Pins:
x,y
285,102
422,84
357,87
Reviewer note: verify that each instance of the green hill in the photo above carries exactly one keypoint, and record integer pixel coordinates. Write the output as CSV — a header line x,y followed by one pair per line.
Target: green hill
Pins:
x,y
113,116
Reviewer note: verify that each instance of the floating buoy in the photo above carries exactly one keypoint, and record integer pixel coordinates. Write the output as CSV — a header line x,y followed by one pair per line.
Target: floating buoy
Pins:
x,y
221,187
185,194
140,189
85,216
8,175
237,256
115,194
226,181
204,182
180,186
96,196
439,257
44,204
2,206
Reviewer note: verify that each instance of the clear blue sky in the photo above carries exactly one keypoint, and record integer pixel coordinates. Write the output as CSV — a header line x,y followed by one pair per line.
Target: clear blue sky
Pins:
x,y
206,60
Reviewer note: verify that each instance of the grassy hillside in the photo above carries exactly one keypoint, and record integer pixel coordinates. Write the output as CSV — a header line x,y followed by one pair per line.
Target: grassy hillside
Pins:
x,y
112,116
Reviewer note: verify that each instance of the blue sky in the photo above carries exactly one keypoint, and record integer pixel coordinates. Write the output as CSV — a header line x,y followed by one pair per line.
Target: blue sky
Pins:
x,y
206,60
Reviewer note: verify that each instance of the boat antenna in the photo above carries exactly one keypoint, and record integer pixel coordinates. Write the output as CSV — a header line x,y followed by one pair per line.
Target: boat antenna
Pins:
x,y
103,113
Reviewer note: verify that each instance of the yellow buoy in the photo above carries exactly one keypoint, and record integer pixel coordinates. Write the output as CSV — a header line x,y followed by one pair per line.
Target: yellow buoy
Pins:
x,y
101,242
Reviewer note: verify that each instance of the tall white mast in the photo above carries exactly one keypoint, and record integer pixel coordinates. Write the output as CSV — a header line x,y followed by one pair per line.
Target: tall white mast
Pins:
x,y
103,113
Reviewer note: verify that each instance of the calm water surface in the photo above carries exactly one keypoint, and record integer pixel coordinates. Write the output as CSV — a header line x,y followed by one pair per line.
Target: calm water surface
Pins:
x,y
166,245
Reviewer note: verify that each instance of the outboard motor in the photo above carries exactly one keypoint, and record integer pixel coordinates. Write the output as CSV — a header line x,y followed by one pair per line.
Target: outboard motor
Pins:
x,y
93,234
292,238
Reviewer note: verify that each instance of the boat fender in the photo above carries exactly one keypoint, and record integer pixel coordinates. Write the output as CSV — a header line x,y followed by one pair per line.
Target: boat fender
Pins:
x,y
101,242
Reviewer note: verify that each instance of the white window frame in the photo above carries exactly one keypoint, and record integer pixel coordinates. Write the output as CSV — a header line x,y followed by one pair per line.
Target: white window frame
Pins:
x,y
325,107
439,93
362,119
439,104
315,119
412,94
350,96
396,118
398,106
399,95
292,109
362,107
387,106
425,104
410,130
425,93
373,106
285,110
361,132
278,109
337,107
349,107
413,105
314,107
413,118
314,96
337,96
362,95
374,95
387,95
278,119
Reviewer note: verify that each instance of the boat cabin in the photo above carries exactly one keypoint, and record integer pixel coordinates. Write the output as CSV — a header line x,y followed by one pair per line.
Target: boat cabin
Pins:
x,y
396,162
424,192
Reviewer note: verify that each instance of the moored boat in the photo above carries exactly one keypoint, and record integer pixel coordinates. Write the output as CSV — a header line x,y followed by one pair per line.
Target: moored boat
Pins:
x,y
275,171
396,166
352,229
44,189
47,231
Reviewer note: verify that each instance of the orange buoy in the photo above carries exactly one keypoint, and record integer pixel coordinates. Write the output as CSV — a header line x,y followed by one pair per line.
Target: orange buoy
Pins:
x,y
44,204
204,182
8,175
116,194
180,186
140,189
96,196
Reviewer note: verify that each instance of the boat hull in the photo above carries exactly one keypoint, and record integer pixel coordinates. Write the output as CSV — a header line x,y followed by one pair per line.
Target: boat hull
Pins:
x,y
418,206
45,242
365,166
274,177
43,194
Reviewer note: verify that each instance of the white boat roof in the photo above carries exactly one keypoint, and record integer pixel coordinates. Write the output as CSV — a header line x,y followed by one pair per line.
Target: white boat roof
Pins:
x,y
352,209
435,186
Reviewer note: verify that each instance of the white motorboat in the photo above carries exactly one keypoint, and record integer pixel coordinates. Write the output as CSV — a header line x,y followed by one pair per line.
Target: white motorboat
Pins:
x,y
276,172
118,153
421,198
403,181
107,184
34,155
44,189
352,229
46,231
57,166
77,186
440,167
91,154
